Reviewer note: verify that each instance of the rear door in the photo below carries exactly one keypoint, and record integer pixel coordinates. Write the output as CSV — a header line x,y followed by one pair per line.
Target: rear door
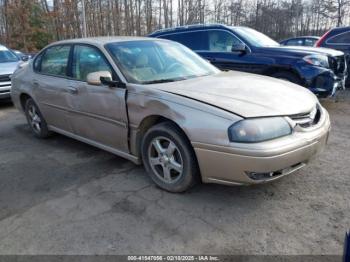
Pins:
x,y
51,85
99,112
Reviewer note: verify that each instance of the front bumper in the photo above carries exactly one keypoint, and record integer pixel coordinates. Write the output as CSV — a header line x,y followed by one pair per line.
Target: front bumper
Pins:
x,y
327,84
262,162
322,81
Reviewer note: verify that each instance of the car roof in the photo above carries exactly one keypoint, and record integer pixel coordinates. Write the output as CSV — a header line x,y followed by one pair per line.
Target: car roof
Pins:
x,y
301,37
337,30
191,27
342,28
103,40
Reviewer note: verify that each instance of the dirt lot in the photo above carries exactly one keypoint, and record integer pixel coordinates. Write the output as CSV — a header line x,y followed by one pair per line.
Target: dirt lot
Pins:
x,y
59,196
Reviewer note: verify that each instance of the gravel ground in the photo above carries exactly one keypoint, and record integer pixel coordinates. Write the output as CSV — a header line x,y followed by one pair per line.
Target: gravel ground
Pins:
x,y
60,196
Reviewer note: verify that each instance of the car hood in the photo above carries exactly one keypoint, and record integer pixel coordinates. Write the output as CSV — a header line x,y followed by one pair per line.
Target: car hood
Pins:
x,y
302,50
244,94
8,68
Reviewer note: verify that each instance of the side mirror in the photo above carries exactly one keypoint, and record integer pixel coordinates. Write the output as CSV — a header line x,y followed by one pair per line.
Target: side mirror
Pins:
x,y
25,58
103,78
241,48
94,78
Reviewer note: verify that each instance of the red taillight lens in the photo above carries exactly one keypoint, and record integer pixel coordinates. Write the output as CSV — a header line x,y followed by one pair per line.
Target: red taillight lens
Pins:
x,y
321,40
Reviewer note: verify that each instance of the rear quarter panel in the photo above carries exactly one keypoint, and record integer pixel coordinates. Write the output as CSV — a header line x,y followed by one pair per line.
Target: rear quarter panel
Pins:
x,y
21,84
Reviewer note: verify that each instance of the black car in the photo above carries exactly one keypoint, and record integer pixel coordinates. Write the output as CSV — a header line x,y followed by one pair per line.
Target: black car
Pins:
x,y
337,38
323,71
301,41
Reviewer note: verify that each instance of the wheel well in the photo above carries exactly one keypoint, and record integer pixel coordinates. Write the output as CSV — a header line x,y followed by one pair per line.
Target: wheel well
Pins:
x,y
23,98
146,124
273,70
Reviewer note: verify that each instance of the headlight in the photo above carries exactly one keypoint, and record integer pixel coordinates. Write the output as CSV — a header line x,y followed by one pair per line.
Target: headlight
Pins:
x,y
317,60
258,129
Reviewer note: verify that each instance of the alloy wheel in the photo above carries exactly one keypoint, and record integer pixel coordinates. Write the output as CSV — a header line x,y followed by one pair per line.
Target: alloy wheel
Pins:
x,y
165,159
34,119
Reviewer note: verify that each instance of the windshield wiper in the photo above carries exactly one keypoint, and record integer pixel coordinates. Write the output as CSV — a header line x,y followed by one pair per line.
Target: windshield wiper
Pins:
x,y
159,81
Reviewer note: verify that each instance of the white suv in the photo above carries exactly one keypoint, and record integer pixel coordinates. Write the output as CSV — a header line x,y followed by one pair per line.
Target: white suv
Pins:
x,y
9,62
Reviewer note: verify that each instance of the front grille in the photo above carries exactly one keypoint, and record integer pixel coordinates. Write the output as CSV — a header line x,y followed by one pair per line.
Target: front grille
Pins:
x,y
5,78
337,64
309,119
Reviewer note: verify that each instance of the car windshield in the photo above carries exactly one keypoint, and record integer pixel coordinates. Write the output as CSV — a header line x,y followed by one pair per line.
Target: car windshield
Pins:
x,y
7,56
255,38
147,62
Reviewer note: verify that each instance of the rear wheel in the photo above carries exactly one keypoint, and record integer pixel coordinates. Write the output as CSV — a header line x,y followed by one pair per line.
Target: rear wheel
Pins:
x,y
287,76
35,119
169,158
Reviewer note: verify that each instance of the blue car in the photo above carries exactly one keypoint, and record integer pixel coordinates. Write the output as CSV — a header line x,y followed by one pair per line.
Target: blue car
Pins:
x,y
337,38
321,70
301,41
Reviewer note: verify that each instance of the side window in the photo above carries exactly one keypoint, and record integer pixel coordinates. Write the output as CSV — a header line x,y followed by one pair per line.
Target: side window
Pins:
x,y
221,41
342,38
54,61
295,42
310,42
87,59
193,40
37,63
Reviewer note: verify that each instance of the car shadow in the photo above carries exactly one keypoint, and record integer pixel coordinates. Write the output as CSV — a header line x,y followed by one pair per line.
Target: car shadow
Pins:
x,y
81,151
39,170
5,103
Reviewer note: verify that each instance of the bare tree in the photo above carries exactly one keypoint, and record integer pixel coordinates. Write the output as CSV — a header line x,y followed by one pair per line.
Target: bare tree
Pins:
x,y
32,24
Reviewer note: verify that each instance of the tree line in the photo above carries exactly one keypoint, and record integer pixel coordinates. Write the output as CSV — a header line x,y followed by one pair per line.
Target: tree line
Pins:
x,y
29,25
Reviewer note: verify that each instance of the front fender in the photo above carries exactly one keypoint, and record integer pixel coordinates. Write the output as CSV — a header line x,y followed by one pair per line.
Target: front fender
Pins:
x,y
200,122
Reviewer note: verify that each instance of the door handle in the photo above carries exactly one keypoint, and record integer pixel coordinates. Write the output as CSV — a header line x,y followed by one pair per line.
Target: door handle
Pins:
x,y
35,83
72,90
211,59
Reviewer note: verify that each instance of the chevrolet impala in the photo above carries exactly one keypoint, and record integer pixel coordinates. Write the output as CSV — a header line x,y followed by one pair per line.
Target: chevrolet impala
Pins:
x,y
154,101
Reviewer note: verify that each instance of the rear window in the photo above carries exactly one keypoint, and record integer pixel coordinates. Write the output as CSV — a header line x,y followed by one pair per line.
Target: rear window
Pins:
x,y
54,61
342,38
197,40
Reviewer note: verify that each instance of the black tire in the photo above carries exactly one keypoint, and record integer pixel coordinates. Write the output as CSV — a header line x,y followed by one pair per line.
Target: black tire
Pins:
x,y
184,153
287,76
43,131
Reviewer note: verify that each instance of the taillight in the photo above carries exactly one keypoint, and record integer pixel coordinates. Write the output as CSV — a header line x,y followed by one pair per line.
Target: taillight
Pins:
x,y
321,40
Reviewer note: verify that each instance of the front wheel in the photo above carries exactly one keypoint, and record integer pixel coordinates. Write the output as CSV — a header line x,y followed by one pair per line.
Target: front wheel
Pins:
x,y
169,158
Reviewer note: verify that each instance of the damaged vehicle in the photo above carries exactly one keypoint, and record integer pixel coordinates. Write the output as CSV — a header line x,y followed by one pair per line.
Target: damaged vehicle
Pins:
x,y
323,71
156,102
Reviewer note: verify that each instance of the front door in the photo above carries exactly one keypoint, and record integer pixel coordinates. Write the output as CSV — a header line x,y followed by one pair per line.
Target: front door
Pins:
x,y
99,112
221,54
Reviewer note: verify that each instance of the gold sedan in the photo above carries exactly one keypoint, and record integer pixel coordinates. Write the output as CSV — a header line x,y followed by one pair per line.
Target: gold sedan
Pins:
x,y
156,102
